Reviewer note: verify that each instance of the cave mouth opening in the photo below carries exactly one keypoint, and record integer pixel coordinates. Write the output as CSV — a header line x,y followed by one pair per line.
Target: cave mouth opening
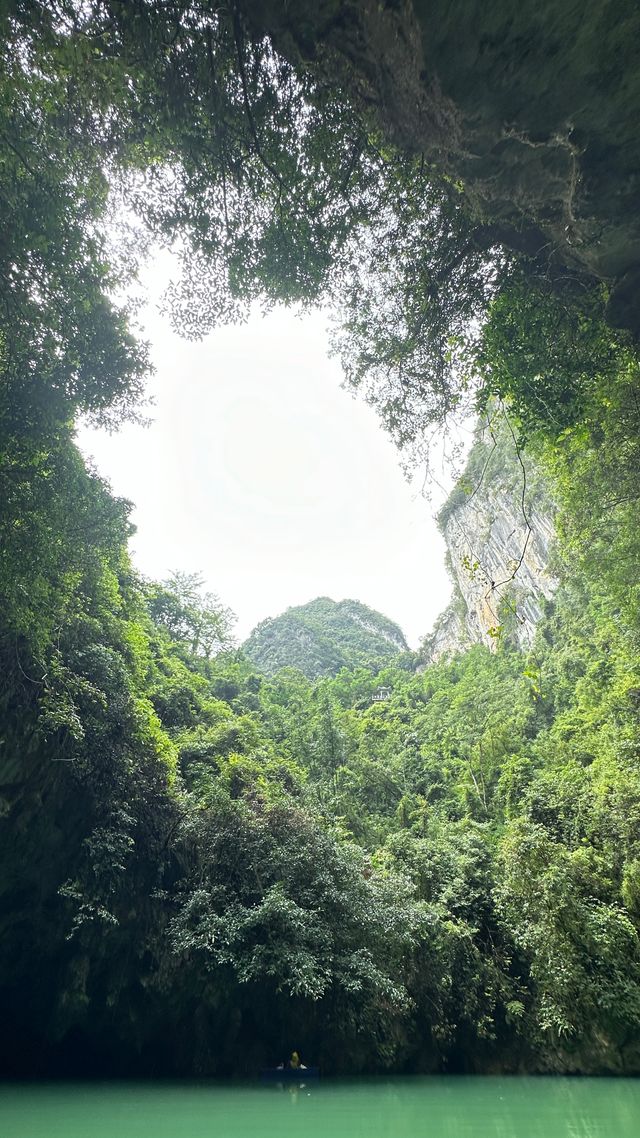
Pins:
x,y
259,471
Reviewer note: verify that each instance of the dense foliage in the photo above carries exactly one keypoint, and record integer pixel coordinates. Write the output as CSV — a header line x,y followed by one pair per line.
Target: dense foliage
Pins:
x,y
180,124
322,637
201,866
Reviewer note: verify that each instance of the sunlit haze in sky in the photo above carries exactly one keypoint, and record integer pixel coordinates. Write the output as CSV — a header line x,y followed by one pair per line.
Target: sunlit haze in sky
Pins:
x,y
259,472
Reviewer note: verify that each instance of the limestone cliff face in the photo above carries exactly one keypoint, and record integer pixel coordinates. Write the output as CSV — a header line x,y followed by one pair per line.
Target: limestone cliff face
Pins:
x,y
499,527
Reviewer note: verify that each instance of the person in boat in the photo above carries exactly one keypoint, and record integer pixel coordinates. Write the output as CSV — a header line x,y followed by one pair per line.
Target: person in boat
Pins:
x,y
294,1062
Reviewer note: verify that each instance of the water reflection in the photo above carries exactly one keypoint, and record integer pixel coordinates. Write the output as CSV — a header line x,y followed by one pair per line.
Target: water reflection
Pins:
x,y
508,1108
294,1088
448,1107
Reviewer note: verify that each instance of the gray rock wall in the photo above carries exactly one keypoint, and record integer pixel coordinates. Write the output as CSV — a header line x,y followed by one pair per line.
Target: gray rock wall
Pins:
x,y
499,546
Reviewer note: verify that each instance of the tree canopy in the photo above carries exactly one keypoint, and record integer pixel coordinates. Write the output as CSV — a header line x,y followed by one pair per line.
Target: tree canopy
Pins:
x,y
129,125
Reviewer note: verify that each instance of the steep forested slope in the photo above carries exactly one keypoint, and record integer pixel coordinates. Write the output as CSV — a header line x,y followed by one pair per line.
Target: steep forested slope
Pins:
x,y
200,863
322,637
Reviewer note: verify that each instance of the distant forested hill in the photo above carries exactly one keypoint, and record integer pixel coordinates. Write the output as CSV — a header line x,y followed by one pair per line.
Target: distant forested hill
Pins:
x,y
322,637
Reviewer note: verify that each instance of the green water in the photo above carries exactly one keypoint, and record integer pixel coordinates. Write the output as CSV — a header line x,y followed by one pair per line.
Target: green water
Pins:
x,y
385,1108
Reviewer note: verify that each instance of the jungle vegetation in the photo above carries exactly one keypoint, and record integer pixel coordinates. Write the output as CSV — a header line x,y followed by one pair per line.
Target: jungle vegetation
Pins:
x,y
198,862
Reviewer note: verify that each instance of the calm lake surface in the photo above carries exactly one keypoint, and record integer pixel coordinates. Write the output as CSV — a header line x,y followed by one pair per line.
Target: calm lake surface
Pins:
x,y
447,1107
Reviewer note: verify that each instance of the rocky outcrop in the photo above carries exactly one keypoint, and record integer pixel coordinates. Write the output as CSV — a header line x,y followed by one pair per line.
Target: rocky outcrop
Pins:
x,y
499,527
532,107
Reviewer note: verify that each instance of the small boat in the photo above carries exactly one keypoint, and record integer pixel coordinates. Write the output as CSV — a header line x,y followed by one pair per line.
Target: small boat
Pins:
x,y
289,1074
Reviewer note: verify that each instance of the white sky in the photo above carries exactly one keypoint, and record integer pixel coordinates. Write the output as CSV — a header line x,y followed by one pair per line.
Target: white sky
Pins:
x,y
262,474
